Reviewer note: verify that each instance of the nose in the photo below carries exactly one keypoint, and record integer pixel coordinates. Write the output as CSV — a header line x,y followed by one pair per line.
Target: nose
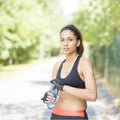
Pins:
x,y
65,42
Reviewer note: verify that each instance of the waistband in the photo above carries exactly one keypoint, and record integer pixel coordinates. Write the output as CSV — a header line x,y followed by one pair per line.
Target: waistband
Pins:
x,y
59,111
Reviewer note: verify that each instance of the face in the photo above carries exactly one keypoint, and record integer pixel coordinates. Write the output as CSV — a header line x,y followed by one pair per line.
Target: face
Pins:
x,y
68,42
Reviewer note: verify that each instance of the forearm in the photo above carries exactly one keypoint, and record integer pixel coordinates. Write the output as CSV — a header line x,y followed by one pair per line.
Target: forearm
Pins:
x,y
84,94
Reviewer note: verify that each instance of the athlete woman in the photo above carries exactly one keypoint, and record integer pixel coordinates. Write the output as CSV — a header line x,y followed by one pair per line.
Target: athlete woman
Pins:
x,y
73,77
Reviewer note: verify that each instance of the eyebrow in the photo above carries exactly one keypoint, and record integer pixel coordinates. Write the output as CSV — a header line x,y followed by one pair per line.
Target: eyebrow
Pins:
x,y
67,37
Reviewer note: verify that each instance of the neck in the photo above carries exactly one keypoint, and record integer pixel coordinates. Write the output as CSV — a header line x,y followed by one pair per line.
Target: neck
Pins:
x,y
70,58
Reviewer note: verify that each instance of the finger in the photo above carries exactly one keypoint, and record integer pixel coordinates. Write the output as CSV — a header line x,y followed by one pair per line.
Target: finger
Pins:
x,y
47,102
50,98
50,94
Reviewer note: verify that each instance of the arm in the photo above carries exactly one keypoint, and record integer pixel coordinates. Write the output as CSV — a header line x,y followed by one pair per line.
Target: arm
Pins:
x,y
90,91
48,97
55,70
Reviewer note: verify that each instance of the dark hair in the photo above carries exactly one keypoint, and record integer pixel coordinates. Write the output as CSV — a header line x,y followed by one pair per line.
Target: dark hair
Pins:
x,y
78,35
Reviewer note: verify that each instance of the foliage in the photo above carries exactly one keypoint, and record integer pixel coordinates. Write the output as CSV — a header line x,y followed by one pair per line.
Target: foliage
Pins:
x,y
99,22
24,26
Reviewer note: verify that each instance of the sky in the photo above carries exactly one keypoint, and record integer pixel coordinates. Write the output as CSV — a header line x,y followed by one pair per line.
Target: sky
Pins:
x,y
69,7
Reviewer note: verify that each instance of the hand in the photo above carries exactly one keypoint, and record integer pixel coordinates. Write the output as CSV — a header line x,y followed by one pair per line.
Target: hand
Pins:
x,y
57,83
48,97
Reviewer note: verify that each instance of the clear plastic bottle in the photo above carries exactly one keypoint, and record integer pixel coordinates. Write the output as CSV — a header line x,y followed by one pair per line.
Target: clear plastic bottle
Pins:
x,y
53,90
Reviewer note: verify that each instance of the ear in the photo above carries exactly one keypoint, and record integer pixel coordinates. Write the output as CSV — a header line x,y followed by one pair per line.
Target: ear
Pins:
x,y
78,43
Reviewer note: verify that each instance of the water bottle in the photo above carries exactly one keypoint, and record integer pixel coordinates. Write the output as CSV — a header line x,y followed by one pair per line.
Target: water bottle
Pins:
x,y
53,90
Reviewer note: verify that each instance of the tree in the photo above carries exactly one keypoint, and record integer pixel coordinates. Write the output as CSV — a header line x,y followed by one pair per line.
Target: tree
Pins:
x,y
23,27
99,22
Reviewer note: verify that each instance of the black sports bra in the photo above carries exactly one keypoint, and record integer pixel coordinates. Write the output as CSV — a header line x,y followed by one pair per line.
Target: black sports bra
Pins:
x,y
73,79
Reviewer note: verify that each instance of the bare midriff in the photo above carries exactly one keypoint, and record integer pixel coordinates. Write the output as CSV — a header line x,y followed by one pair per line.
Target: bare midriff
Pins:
x,y
67,101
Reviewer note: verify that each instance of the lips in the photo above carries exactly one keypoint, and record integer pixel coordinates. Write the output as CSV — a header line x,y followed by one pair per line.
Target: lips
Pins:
x,y
66,49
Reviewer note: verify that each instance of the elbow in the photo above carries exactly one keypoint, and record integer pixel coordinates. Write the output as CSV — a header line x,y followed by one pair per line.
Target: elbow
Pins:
x,y
93,98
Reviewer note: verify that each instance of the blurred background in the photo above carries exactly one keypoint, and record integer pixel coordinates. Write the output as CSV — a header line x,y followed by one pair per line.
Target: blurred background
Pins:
x,y
29,33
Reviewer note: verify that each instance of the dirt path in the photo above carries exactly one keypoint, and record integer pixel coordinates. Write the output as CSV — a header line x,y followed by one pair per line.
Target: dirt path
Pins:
x,y
20,97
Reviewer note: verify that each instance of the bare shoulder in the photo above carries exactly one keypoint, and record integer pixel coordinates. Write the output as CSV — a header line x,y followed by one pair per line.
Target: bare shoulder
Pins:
x,y
85,62
57,64
55,69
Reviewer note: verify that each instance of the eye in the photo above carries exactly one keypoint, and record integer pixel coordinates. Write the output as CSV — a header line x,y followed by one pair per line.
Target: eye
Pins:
x,y
61,40
70,39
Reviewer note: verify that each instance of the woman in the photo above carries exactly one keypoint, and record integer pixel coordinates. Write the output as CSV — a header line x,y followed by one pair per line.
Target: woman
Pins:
x,y
74,78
